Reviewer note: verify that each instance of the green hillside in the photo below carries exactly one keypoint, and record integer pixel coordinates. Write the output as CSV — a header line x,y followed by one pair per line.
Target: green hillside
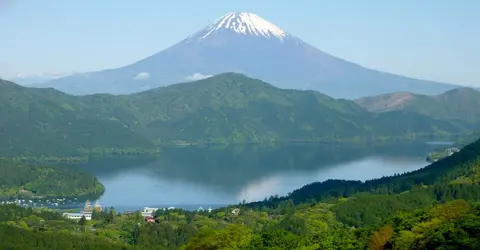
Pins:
x,y
227,108
459,104
234,108
31,181
461,168
36,122
437,207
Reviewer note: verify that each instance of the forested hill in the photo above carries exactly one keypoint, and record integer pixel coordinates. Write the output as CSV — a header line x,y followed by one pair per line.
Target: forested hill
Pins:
x,y
20,180
434,208
36,122
227,108
462,168
232,107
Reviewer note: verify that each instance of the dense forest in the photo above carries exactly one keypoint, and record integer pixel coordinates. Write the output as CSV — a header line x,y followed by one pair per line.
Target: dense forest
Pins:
x,y
461,170
433,208
45,124
42,123
20,180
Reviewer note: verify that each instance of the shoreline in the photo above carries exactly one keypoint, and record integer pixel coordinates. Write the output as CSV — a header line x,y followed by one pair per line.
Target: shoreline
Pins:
x,y
84,155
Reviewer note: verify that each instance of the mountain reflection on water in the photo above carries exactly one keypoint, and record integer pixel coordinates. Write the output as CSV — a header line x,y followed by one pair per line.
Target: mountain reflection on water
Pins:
x,y
190,177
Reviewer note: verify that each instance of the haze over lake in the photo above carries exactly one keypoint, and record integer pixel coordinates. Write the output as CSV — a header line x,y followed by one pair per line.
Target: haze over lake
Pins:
x,y
190,177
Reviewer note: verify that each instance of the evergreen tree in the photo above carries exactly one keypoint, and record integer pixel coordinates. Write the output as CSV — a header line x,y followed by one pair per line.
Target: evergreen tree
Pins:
x,y
82,221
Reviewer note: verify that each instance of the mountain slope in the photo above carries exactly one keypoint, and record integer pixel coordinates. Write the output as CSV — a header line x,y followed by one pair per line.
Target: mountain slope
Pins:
x,y
37,122
246,43
458,104
454,177
234,108
227,108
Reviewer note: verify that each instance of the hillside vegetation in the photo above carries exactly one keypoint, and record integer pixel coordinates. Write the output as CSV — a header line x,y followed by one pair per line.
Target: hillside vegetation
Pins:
x,y
457,104
456,171
433,208
227,108
31,181
36,122
234,108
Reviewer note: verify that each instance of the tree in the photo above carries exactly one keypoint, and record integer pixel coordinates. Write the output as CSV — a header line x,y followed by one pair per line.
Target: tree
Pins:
x,y
232,237
381,238
135,234
95,214
82,221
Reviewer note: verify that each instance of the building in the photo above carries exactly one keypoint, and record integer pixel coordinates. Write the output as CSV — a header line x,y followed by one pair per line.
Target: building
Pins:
x,y
87,211
149,211
78,216
236,211
149,219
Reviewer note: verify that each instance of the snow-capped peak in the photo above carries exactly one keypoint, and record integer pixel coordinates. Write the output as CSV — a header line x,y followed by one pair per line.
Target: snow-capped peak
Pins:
x,y
246,24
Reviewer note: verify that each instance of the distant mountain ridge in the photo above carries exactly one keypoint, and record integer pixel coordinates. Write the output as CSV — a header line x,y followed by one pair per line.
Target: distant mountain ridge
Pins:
x,y
232,107
246,43
26,80
223,109
457,104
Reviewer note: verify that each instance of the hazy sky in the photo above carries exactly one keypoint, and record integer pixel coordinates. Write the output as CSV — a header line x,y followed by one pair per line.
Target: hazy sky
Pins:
x,y
428,39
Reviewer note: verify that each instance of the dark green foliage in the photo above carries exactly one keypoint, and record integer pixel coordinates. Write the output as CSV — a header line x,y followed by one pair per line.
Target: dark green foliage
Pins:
x,y
228,108
433,208
460,168
82,221
407,211
22,228
22,180
21,239
234,108
275,239
368,209
295,225
46,122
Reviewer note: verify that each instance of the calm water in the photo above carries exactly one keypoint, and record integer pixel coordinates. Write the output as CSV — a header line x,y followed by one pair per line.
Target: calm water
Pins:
x,y
192,177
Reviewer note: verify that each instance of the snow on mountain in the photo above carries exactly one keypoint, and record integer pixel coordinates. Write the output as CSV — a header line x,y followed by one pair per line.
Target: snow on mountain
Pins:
x,y
246,43
245,24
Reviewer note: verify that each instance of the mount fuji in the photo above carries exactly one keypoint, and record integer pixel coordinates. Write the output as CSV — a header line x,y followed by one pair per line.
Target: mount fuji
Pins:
x,y
246,43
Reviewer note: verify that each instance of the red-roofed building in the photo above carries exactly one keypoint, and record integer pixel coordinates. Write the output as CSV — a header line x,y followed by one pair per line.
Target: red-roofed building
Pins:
x,y
149,219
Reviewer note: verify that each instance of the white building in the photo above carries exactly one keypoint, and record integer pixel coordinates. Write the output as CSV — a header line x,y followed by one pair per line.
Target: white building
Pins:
x,y
149,211
87,211
78,216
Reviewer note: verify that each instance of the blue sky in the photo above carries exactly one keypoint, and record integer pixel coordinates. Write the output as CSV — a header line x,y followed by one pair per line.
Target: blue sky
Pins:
x,y
428,39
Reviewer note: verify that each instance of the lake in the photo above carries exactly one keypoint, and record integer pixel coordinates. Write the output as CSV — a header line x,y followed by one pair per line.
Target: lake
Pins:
x,y
190,177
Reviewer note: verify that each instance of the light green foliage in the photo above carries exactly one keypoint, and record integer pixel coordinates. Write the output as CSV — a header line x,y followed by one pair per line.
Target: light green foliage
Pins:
x,y
231,238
